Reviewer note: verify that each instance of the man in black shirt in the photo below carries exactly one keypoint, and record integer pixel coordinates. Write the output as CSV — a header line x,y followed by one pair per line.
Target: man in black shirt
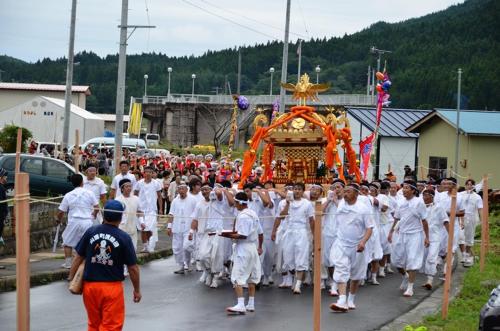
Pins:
x,y
106,249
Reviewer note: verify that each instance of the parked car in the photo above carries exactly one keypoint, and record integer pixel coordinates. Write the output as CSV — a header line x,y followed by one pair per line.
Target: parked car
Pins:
x,y
152,139
99,142
143,152
47,175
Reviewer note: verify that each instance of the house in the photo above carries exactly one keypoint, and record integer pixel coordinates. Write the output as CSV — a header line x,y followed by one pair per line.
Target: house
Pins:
x,y
44,117
13,94
110,121
479,144
395,147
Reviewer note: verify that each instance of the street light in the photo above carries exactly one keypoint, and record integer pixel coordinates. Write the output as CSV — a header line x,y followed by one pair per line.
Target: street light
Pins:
x,y
318,70
169,69
271,70
146,84
193,76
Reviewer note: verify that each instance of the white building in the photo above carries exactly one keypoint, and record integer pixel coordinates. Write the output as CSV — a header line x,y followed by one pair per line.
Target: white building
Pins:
x,y
110,122
13,94
44,117
395,147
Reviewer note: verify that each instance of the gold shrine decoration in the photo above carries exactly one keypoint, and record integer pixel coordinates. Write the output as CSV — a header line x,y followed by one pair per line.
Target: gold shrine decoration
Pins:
x,y
305,90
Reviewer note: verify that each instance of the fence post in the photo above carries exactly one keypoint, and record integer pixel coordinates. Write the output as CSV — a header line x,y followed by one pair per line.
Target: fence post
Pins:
x,y
317,268
484,225
449,254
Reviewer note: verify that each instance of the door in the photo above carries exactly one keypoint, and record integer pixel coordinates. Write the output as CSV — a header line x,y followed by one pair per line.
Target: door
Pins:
x,y
438,166
57,177
34,167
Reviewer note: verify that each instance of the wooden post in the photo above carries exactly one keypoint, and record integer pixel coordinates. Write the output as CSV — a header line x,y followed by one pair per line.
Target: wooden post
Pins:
x,y
76,156
484,225
18,149
421,168
22,208
317,268
449,254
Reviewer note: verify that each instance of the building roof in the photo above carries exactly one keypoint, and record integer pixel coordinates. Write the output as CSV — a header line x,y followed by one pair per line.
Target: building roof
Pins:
x,y
472,122
74,109
112,117
393,123
44,87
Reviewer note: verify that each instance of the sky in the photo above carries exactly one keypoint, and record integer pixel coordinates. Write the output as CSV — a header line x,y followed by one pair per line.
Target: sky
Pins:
x,y
31,29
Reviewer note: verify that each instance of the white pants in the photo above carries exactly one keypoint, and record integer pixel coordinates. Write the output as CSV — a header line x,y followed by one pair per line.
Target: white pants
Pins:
x,y
408,251
279,250
74,231
349,264
443,248
181,253
211,253
430,259
296,250
469,231
373,247
246,264
384,234
327,242
267,256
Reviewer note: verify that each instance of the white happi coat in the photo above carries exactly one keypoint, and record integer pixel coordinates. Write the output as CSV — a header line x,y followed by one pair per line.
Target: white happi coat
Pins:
x,y
436,218
182,212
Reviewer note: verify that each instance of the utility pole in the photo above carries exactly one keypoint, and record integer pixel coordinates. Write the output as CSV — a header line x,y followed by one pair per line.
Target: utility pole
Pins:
x,y
69,76
1,71
457,143
120,85
284,65
238,87
368,80
299,52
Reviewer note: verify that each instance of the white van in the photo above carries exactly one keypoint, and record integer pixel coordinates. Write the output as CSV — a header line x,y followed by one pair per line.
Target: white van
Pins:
x,y
99,142
50,147
152,139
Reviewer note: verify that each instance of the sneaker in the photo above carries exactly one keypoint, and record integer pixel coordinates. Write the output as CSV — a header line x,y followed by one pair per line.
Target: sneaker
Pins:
x,y
241,310
144,249
187,268
375,282
203,277
408,293
179,272
250,308
469,261
362,282
66,265
265,281
339,307
208,280
381,273
404,284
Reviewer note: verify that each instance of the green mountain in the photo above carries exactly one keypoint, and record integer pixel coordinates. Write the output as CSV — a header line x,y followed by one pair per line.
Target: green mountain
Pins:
x,y
426,53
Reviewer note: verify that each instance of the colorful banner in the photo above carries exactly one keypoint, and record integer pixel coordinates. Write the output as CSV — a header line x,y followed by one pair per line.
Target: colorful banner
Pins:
x,y
365,149
134,125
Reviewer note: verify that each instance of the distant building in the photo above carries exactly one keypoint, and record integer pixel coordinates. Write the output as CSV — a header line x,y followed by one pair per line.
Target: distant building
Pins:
x,y
13,94
44,117
110,121
479,152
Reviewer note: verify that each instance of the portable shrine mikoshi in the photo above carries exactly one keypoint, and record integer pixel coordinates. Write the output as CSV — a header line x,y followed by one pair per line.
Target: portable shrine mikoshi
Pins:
x,y
300,139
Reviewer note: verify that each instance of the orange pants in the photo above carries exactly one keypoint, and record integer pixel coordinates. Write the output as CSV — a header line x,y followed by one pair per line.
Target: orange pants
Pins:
x,y
105,305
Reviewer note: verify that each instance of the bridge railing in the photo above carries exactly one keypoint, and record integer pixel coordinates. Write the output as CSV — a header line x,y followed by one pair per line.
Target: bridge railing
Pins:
x,y
324,99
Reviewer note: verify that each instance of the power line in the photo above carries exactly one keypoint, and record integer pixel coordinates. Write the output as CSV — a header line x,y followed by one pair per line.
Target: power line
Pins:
x,y
250,19
303,19
149,23
228,19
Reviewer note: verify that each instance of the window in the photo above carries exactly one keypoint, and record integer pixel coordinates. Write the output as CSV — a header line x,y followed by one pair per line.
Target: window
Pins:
x,y
55,169
9,163
438,166
32,166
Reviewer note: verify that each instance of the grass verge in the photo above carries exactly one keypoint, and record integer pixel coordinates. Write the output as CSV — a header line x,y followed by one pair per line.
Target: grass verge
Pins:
x,y
463,313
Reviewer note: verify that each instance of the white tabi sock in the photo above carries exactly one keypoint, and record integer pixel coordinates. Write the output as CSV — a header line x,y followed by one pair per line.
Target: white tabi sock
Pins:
x,y
410,286
298,283
335,286
251,301
241,301
342,300
430,279
351,297
374,277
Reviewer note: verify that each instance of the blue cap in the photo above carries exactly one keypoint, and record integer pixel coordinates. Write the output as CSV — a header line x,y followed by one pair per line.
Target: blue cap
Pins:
x,y
109,214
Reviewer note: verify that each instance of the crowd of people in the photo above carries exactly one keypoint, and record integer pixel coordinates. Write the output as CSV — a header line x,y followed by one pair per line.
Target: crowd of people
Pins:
x,y
262,235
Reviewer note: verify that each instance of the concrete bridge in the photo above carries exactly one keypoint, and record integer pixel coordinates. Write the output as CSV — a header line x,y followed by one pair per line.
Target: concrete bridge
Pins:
x,y
186,119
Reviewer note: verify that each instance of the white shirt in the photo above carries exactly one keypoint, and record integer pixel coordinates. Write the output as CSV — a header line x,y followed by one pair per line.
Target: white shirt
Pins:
x,y
472,202
182,211
116,181
410,214
352,222
247,224
299,213
329,220
129,221
445,203
148,195
96,186
79,204
436,217
385,217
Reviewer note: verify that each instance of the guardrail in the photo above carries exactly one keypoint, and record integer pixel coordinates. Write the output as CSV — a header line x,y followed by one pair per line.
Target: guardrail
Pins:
x,y
222,99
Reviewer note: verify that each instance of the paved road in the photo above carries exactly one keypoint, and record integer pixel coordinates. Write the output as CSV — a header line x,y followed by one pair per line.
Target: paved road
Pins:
x,y
172,302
